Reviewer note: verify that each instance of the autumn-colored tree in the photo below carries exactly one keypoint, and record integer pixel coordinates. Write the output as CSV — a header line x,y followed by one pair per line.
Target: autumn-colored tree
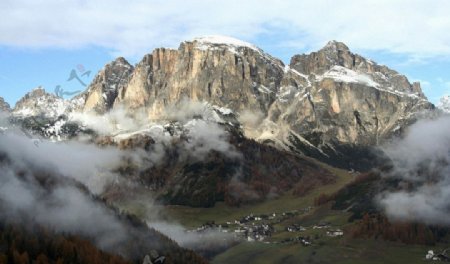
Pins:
x,y
3,258
42,259
20,258
323,199
379,226
44,248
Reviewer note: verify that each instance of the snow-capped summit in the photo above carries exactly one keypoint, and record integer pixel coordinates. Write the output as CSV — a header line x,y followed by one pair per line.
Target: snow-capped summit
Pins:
x,y
224,40
444,104
335,46
218,42
39,102
321,100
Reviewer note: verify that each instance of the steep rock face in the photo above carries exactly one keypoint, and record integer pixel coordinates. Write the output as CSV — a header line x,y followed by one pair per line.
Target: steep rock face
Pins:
x,y
318,103
444,104
346,112
324,104
4,106
335,60
348,100
103,90
224,72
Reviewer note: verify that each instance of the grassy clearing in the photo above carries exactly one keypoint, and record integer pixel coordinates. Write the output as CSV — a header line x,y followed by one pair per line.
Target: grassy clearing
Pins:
x,y
330,250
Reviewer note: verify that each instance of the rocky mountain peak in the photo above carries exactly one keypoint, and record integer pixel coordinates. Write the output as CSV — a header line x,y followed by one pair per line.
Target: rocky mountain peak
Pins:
x,y
120,61
4,106
221,70
320,102
103,90
233,45
334,53
335,47
444,104
336,61
115,72
39,102
36,93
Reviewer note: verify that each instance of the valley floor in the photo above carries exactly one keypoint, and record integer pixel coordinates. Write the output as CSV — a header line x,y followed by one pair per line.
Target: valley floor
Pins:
x,y
335,250
311,244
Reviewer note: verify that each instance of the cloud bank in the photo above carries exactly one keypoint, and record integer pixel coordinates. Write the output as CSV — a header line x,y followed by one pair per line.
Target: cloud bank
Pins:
x,y
414,28
422,161
41,183
38,184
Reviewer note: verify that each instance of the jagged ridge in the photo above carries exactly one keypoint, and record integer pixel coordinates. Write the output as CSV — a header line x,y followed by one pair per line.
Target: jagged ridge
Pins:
x,y
320,102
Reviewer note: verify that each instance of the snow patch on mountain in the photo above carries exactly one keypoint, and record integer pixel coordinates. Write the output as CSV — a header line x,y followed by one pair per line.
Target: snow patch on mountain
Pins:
x,y
216,42
206,42
342,74
223,110
40,103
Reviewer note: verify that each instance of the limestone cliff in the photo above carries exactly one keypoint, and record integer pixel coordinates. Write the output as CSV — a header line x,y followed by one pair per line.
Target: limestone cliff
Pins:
x,y
321,100
224,73
103,90
349,103
348,99
325,104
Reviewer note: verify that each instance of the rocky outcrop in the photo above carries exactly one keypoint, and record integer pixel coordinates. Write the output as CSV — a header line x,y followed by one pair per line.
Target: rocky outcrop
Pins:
x,y
40,103
103,90
349,102
444,104
224,72
4,106
336,61
319,103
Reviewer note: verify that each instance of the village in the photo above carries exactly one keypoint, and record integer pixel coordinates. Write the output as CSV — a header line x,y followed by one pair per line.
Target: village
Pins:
x,y
261,228
432,256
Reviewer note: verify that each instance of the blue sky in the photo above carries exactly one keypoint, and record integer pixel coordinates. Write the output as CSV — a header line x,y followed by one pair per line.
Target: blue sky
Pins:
x,y
42,41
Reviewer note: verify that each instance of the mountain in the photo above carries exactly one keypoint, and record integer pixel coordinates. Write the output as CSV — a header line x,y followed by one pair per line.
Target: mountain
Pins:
x,y
222,71
38,102
87,220
243,172
444,104
350,102
4,106
324,104
102,92
219,126
331,104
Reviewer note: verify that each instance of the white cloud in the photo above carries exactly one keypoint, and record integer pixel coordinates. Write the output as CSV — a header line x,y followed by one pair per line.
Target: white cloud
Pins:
x,y
416,28
422,159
